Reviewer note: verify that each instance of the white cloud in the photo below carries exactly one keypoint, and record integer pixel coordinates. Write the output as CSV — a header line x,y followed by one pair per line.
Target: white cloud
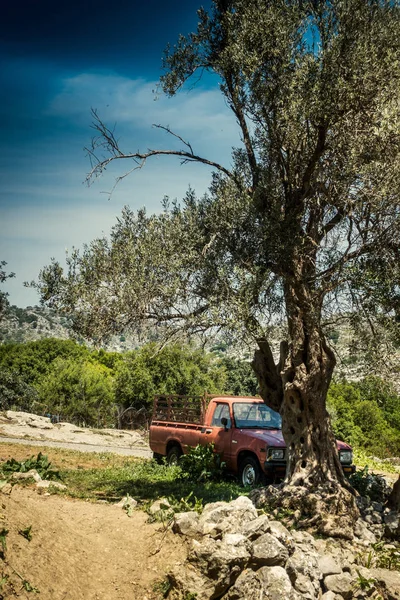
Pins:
x,y
199,116
46,207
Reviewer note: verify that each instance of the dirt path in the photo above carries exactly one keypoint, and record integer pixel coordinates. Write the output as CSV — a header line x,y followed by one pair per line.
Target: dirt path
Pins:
x,y
84,551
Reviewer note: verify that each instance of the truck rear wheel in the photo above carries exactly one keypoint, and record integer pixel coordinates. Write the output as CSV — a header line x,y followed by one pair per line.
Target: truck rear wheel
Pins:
x,y
249,472
173,456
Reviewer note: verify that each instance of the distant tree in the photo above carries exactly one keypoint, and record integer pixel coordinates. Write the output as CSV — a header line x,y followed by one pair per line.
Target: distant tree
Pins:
x,y
15,393
176,369
32,360
307,212
241,379
366,413
4,295
79,391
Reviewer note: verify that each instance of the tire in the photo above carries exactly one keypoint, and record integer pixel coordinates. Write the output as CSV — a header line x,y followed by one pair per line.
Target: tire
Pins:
x,y
158,458
173,456
249,472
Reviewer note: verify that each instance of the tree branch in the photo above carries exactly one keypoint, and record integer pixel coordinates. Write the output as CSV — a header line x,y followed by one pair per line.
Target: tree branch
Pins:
x,y
107,141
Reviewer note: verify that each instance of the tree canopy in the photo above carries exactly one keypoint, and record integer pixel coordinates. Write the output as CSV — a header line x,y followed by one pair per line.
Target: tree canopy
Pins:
x,y
303,224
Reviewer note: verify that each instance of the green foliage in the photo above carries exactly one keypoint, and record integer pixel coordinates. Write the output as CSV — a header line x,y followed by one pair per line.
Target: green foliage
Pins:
x,y
3,540
370,485
26,533
146,481
15,393
364,583
366,414
202,463
162,587
4,295
33,360
381,555
40,463
241,379
176,369
79,391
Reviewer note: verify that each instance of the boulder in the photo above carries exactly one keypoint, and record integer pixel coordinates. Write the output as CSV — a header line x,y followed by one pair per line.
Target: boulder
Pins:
x,y
276,584
187,523
44,485
392,525
342,584
247,585
361,531
328,565
221,561
185,579
254,529
269,551
160,505
303,562
32,474
222,517
389,581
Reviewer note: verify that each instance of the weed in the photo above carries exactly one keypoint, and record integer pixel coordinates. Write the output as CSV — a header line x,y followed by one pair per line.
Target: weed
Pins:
x,y
162,587
26,533
41,464
28,587
364,583
381,556
370,485
3,542
202,463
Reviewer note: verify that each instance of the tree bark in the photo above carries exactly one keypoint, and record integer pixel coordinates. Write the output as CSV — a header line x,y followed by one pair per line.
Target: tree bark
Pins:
x,y
297,387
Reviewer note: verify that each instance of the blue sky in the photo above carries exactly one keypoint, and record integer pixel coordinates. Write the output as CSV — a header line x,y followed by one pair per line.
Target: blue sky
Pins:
x,y
57,61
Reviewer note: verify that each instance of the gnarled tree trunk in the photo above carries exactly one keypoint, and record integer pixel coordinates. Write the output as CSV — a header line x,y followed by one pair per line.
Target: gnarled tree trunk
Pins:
x,y
297,387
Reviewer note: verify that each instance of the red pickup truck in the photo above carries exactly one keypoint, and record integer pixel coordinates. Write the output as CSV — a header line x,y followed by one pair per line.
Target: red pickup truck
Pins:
x,y
244,430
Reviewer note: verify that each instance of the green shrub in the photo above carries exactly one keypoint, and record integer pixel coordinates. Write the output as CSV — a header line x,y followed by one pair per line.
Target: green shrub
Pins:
x,y
202,463
370,485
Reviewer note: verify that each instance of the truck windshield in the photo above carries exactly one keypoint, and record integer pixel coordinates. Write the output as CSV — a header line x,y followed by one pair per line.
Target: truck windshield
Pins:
x,y
255,415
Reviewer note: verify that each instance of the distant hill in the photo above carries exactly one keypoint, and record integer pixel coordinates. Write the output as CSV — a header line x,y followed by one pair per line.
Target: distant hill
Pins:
x,y
33,323
353,363
36,323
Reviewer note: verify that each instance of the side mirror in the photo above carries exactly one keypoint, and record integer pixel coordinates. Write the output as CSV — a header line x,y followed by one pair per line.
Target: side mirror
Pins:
x,y
224,422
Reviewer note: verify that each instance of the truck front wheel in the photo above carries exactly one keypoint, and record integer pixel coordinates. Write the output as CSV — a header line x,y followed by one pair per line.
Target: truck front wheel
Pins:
x,y
249,472
173,456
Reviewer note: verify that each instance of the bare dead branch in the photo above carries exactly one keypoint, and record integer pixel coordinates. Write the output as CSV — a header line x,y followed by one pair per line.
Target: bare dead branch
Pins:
x,y
107,141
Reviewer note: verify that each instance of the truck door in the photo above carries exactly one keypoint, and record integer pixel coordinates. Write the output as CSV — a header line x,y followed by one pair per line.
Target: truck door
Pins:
x,y
219,434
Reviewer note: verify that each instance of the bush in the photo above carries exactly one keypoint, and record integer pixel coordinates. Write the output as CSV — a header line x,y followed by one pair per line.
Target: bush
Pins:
x,y
202,463
370,485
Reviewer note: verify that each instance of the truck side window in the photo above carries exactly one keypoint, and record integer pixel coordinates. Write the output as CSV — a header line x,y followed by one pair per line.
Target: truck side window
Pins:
x,y
221,411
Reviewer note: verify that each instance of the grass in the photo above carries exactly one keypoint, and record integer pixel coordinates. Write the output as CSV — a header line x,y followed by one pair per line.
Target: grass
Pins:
x,y
106,476
376,465
95,476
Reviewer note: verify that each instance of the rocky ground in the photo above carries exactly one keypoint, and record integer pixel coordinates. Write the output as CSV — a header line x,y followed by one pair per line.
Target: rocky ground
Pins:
x,y
242,550
238,554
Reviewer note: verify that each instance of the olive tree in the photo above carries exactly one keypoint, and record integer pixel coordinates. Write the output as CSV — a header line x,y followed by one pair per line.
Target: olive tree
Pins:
x,y
303,223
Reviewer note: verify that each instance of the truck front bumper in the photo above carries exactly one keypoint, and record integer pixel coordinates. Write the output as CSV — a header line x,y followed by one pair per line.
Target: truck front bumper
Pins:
x,y
275,469
349,469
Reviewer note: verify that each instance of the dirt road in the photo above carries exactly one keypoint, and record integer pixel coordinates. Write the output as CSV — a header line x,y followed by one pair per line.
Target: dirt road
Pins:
x,y
25,428
135,451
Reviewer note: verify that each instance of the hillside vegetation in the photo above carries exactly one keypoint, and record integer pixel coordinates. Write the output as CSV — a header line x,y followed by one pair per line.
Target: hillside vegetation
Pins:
x,y
97,388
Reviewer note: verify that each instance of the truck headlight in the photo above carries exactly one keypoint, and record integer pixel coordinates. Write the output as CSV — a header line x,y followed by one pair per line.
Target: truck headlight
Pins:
x,y
276,453
346,457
